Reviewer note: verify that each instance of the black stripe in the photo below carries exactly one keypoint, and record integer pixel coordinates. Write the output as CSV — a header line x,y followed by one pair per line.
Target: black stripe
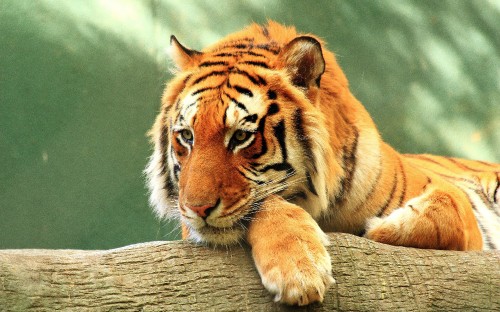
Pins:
x,y
391,196
299,194
271,94
256,63
181,118
213,73
177,170
279,167
267,47
244,91
310,184
239,53
258,182
224,117
169,185
461,165
187,78
262,81
224,54
205,89
272,48
484,198
201,90
428,159
189,106
241,46
238,104
259,81
252,168
495,192
273,109
279,133
213,63
304,141
487,164
251,118
403,193
429,182
348,165
260,129
164,140
254,54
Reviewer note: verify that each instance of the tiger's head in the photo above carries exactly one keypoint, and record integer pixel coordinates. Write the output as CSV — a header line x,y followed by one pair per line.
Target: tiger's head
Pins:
x,y
239,123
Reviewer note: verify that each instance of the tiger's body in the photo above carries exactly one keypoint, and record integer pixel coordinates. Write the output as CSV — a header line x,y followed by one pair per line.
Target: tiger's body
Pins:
x,y
260,139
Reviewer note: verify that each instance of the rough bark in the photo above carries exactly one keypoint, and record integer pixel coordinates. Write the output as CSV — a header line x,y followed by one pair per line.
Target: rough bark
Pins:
x,y
179,276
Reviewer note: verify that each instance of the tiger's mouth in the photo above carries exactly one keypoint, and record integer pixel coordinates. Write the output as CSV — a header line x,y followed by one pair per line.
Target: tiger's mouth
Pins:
x,y
219,235
223,233
213,230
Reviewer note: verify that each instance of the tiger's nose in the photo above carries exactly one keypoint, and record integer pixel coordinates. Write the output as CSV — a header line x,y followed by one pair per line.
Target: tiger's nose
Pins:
x,y
202,211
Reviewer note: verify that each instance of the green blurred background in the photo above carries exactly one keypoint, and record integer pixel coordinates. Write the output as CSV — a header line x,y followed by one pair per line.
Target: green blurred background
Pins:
x,y
81,81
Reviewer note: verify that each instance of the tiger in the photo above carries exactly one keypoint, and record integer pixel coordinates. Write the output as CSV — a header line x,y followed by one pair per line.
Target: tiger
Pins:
x,y
260,141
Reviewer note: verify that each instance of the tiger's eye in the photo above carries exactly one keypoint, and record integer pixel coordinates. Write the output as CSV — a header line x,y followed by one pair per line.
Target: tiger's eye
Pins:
x,y
240,136
187,135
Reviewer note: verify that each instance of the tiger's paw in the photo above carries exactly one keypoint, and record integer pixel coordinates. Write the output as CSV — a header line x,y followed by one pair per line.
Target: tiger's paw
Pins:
x,y
295,268
299,280
289,251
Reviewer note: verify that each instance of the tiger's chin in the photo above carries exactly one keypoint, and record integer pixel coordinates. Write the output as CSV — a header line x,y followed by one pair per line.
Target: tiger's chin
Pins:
x,y
217,236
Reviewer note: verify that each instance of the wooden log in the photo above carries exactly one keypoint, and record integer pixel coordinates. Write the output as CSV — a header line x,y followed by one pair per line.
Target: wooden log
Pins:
x,y
181,276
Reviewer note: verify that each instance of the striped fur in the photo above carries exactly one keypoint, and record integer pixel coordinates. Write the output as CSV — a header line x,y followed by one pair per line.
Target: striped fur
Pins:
x,y
261,127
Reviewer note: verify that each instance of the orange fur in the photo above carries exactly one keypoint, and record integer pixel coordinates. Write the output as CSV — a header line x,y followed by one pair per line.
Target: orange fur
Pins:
x,y
259,138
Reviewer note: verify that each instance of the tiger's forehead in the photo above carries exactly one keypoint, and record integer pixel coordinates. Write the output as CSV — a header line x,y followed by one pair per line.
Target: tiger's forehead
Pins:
x,y
226,101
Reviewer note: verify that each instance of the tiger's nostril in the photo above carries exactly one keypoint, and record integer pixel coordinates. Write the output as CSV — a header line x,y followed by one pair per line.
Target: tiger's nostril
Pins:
x,y
203,210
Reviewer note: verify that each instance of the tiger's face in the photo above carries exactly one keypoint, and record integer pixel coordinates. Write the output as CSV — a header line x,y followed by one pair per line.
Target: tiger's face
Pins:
x,y
229,142
217,138
233,131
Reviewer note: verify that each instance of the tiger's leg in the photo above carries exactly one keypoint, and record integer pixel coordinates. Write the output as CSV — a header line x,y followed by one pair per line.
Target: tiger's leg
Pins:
x,y
437,219
289,251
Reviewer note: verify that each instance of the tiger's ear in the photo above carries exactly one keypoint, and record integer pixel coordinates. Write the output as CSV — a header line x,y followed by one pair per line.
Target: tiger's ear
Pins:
x,y
303,59
183,57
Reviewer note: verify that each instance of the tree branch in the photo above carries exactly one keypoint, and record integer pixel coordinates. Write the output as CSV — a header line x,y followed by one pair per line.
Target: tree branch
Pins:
x,y
179,276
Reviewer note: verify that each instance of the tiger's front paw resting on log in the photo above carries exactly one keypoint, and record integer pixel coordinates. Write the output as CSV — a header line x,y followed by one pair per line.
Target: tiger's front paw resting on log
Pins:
x,y
289,251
